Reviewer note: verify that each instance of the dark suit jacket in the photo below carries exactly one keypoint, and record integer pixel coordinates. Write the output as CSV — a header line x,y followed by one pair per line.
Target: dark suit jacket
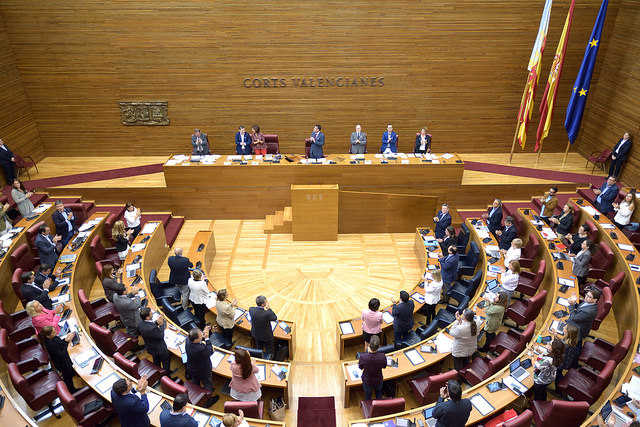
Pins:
x,y
452,414
449,268
5,156
247,144
39,278
444,220
261,323
494,222
508,234
46,250
179,266
565,225
427,147
58,353
167,419
131,409
153,337
61,225
316,147
198,359
606,201
624,151
204,146
35,293
582,317
392,145
449,241
403,315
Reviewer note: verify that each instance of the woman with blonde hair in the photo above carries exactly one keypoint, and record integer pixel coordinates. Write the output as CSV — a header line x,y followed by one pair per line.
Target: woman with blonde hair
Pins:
x,y
41,317
509,280
120,237
233,420
198,295
624,210
225,317
515,251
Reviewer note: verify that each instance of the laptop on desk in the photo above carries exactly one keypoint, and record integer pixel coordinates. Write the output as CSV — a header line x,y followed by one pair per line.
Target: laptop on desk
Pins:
x,y
517,371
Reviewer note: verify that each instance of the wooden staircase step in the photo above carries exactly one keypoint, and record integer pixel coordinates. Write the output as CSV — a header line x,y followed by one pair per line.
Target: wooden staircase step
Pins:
x,y
269,223
279,218
288,213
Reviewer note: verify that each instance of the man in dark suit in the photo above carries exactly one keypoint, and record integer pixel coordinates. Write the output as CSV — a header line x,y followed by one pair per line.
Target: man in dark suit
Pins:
x,y
199,351
389,141
7,163
153,335
402,313
442,221
454,412
243,142
582,315
45,278
63,219
46,245
179,275
605,196
423,142
494,216
620,154
317,142
131,408
449,268
178,417
508,234
200,143
32,292
261,318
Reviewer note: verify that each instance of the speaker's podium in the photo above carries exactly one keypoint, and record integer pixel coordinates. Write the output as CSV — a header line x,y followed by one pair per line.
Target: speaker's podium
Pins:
x,y
315,212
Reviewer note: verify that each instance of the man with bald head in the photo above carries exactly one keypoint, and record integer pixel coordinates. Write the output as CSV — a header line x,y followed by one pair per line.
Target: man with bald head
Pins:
x,y
179,275
358,141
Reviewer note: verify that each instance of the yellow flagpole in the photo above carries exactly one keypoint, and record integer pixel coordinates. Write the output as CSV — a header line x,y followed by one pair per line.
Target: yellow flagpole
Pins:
x,y
515,135
566,153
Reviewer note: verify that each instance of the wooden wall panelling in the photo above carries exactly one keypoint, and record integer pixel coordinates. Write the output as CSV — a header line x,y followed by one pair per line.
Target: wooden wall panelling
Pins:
x,y
315,212
457,66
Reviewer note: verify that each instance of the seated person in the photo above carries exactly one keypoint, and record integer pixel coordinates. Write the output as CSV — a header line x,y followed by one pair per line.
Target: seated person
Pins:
x,y
32,292
423,142
200,143
389,141
549,202
494,216
358,141
507,235
574,241
563,222
317,141
257,141
243,142
605,196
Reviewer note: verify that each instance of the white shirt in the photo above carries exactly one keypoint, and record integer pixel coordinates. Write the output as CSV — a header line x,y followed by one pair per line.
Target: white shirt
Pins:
x,y
198,291
509,280
432,292
513,254
130,217
423,141
623,216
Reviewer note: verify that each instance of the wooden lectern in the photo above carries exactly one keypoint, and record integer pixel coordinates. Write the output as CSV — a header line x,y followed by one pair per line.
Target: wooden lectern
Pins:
x,y
315,212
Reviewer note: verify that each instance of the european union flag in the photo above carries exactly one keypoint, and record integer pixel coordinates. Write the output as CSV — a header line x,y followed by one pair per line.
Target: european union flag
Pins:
x,y
583,81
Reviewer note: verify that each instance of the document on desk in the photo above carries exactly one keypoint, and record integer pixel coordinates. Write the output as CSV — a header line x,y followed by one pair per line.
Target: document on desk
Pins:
x,y
367,162
418,297
261,375
201,418
514,385
346,328
608,226
131,269
41,208
238,313
414,357
153,399
149,227
481,404
632,388
387,317
216,358
82,359
355,373
563,301
105,385
625,247
138,247
567,282
548,233
434,255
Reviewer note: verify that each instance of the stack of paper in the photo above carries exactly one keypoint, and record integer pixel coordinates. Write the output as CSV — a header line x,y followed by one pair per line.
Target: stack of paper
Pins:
x,y
355,373
149,227
137,247
153,399
632,388
447,156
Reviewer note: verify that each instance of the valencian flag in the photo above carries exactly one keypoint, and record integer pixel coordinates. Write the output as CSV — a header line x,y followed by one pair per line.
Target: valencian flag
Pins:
x,y
583,81
526,105
550,92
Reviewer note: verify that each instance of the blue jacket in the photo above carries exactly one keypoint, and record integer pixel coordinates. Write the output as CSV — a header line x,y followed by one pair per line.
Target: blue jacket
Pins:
x,y
247,144
507,237
494,221
131,409
316,147
46,249
444,220
179,270
393,144
167,419
62,228
449,268
604,201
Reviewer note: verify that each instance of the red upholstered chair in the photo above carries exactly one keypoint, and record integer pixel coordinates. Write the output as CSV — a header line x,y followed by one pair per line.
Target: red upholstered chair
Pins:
x,y
139,367
23,258
499,420
598,159
250,409
584,384
108,223
598,352
74,405
197,395
522,420
111,342
600,261
80,211
593,231
16,284
482,368
559,413
38,389
17,324
427,389
273,143
32,232
379,408
525,311
614,283
99,311
604,306
27,354
528,283
513,340
100,254
529,251
23,164
307,147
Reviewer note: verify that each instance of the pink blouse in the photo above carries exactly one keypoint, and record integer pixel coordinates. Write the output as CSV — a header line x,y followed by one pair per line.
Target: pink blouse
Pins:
x,y
372,321
46,318
244,385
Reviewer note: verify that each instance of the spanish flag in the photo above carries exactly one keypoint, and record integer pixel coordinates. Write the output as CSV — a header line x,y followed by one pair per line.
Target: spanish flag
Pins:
x,y
550,92
526,104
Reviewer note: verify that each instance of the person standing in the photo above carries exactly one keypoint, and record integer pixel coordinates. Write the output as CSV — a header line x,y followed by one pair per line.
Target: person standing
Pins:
x,y
200,143
42,317
153,335
624,210
7,163
432,294
454,412
581,262
465,338
389,141
58,350
132,217
402,313
358,141
243,142
571,352
130,406
177,416
494,216
120,237
423,142
371,321
442,221
261,318
619,154
449,239
507,235
244,383
509,280
64,221
225,316
199,351
372,363
257,140
198,295
548,203
583,314
179,275
514,252
605,195
317,142
495,314
128,306
449,269
545,368
110,282
46,245
21,197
